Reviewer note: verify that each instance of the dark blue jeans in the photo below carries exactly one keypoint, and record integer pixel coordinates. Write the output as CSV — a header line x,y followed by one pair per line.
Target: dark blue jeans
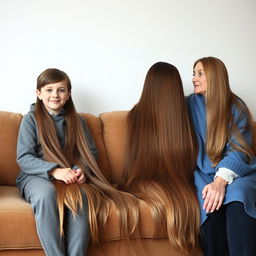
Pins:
x,y
229,231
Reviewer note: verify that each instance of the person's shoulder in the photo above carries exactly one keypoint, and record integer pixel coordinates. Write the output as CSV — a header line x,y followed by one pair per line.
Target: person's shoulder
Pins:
x,y
30,116
195,97
191,98
238,107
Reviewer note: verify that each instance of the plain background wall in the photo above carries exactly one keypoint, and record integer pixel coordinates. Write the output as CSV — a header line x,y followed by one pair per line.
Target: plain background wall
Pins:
x,y
106,47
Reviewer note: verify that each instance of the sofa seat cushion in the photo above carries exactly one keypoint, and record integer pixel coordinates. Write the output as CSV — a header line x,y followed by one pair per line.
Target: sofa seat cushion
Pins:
x,y
18,228
146,225
147,247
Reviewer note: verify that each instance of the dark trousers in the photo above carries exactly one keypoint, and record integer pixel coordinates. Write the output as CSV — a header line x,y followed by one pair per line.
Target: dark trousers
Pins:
x,y
229,231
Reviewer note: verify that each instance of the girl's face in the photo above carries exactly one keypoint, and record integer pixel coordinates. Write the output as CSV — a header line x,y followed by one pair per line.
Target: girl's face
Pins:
x,y
199,79
54,96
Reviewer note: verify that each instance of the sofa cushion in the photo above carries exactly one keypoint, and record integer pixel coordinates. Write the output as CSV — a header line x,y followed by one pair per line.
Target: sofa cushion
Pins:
x,y
95,127
9,127
146,225
147,247
114,134
18,228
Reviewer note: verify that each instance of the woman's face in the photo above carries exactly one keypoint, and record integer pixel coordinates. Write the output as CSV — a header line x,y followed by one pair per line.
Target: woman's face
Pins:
x,y
199,79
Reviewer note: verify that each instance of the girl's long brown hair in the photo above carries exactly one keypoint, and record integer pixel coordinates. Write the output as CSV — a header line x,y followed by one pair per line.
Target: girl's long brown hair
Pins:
x,y
219,117
100,194
160,156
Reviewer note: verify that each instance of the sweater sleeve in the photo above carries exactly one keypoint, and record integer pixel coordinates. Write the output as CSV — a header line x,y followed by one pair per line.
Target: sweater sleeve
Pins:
x,y
29,157
236,160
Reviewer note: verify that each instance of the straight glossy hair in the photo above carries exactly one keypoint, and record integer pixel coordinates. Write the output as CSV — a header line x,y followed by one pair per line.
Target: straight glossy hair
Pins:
x,y
100,194
160,156
219,117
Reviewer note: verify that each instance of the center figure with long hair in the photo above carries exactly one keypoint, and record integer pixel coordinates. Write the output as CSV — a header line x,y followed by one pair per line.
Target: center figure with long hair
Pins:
x,y
160,156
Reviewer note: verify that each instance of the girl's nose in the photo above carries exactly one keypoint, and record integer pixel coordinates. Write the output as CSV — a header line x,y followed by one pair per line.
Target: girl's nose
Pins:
x,y
54,93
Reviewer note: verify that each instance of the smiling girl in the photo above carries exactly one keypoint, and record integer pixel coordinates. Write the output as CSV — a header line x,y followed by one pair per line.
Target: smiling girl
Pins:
x,y
59,175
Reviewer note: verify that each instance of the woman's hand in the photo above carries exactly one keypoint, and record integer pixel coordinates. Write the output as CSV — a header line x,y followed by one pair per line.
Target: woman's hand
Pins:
x,y
213,194
80,176
65,174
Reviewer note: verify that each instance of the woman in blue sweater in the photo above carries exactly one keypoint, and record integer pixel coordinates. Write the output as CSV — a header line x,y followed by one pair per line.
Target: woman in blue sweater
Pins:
x,y
225,176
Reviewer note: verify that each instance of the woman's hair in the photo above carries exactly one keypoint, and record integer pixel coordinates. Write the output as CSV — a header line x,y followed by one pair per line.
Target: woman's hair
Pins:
x,y
220,101
160,156
100,194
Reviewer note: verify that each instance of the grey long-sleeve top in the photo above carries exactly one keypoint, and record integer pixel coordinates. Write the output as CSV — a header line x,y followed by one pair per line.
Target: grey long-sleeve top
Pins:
x,y
29,152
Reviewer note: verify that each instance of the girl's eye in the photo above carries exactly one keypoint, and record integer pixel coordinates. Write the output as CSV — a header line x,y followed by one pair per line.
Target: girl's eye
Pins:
x,y
48,90
62,90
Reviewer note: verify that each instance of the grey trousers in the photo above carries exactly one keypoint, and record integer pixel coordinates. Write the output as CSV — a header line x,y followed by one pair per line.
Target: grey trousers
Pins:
x,y
41,194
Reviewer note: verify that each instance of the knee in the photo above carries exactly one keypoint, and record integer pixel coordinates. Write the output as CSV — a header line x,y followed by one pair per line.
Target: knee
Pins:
x,y
44,196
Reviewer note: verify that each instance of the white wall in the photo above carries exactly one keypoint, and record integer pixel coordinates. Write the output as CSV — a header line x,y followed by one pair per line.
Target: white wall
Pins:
x,y
106,47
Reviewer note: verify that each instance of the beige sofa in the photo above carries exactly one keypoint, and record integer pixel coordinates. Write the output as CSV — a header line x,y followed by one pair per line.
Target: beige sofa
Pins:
x,y
18,234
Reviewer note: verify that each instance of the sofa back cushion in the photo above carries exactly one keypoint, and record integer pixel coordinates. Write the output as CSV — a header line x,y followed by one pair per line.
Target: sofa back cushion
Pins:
x,y
114,134
95,127
9,127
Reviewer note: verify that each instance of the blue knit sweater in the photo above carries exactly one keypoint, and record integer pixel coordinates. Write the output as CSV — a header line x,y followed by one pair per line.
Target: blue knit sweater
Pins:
x,y
244,187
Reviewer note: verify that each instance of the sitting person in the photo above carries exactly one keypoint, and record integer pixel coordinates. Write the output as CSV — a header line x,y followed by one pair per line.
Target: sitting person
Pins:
x,y
225,175
59,175
160,156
